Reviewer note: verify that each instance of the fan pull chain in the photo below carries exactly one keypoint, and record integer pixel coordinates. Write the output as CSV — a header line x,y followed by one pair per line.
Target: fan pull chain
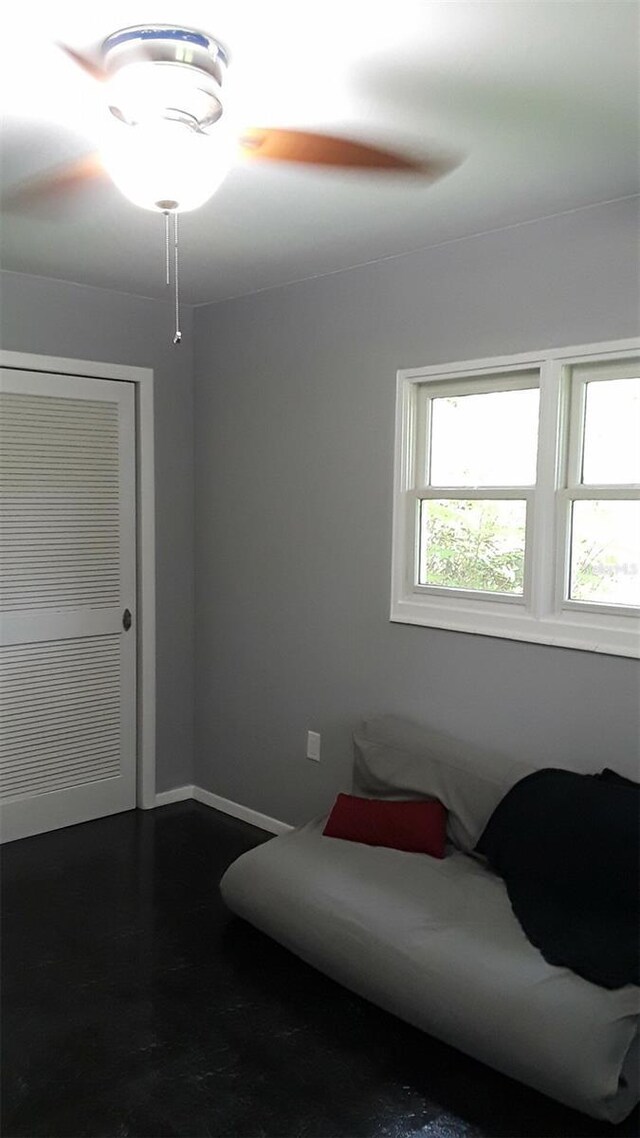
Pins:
x,y
167,253
166,246
178,334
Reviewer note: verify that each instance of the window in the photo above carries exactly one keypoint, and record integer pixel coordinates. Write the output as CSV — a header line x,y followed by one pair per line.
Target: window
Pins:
x,y
602,510
475,483
517,498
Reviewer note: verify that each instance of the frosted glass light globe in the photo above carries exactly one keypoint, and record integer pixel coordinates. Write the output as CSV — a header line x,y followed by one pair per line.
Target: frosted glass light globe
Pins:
x,y
165,164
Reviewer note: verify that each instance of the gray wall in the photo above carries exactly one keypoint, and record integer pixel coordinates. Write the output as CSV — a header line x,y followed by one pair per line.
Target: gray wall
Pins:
x,y
61,319
295,391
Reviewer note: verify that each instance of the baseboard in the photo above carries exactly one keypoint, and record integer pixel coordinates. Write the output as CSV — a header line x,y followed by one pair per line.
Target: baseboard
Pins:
x,y
244,813
176,794
224,805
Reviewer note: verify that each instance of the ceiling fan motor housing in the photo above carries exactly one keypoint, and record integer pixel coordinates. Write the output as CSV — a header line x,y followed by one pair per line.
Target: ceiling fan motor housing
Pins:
x,y
165,72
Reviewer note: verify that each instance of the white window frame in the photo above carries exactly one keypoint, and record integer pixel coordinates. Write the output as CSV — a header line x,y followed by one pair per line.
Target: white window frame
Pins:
x,y
544,614
576,490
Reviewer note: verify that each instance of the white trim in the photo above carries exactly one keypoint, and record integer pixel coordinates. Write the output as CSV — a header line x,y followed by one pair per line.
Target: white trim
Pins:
x,y
145,471
223,806
543,544
145,508
244,813
176,794
479,493
64,366
563,633
578,354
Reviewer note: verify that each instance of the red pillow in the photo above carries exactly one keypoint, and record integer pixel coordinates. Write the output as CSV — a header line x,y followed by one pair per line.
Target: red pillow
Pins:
x,y
415,826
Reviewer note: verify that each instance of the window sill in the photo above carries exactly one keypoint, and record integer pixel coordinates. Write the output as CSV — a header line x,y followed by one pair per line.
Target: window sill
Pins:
x,y
589,632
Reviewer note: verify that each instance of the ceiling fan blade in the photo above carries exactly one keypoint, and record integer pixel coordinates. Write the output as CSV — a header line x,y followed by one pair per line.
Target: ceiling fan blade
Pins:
x,y
88,65
54,183
327,150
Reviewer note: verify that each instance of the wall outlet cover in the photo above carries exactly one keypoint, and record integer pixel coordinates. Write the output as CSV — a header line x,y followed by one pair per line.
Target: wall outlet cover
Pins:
x,y
313,746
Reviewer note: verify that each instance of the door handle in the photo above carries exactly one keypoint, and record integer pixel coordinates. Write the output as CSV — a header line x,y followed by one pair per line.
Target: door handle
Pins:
x,y
126,620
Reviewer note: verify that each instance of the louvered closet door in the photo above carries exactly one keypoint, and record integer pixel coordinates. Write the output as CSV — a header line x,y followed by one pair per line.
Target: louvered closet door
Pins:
x,y
67,573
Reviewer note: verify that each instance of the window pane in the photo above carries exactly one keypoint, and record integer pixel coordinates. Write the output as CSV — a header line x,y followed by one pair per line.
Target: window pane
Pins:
x,y
612,432
473,544
605,552
485,440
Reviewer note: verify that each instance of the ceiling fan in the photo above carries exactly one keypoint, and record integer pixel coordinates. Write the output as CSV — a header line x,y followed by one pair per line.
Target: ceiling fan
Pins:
x,y
167,145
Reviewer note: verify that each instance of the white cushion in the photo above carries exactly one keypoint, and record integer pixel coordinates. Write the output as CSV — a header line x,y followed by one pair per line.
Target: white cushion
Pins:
x,y
435,942
395,758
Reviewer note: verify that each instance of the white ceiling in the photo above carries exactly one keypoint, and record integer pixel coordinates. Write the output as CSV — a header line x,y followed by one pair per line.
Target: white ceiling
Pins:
x,y
540,98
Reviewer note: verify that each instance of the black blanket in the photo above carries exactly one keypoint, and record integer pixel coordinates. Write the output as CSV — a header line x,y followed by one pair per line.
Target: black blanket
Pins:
x,y
568,848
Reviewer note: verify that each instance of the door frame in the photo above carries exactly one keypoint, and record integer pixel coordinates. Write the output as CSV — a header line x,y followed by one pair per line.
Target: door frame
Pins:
x,y
142,377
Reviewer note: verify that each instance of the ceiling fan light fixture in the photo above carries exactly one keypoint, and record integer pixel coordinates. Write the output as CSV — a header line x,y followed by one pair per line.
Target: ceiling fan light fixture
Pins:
x,y
162,70
165,161
164,142
144,91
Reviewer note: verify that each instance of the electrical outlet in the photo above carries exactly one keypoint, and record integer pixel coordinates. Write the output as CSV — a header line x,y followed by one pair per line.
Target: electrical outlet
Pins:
x,y
313,746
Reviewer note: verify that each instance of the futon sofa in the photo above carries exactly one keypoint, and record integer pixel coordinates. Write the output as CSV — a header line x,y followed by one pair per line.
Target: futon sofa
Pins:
x,y
436,941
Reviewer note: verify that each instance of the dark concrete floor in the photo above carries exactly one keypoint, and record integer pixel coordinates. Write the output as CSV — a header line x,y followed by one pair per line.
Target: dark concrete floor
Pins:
x,y
136,1005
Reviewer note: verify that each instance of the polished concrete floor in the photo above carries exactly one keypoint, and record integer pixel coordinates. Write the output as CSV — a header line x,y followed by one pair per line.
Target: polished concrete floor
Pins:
x,y
135,1004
